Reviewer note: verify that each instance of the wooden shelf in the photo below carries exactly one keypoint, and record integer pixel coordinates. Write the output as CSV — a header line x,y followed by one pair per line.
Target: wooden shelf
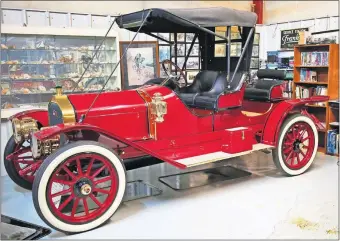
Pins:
x,y
311,66
311,83
316,106
328,77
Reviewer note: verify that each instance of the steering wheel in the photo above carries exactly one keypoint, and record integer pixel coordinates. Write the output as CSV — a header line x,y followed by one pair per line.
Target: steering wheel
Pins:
x,y
174,78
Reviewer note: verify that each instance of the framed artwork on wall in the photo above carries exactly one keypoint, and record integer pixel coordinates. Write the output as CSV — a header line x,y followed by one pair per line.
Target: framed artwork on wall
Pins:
x,y
140,63
177,53
255,56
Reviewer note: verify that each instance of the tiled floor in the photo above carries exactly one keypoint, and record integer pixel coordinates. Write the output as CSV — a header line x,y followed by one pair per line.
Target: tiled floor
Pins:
x,y
264,205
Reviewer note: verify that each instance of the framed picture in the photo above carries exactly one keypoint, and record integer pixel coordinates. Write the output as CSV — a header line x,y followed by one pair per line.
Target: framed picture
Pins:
x,y
140,62
219,33
255,52
194,51
191,76
236,49
257,39
193,63
180,37
164,52
220,50
254,63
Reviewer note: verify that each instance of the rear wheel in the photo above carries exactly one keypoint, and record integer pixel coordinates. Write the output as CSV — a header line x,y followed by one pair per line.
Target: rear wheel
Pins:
x,y
297,145
19,163
79,187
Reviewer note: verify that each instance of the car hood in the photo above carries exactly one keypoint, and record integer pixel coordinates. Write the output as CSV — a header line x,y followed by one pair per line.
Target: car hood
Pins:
x,y
107,103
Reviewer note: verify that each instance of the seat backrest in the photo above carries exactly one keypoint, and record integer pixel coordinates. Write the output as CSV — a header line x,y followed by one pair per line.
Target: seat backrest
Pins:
x,y
203,82
236,83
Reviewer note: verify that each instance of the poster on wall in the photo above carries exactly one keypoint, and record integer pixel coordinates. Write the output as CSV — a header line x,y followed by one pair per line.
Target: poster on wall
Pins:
x,y
140,63
290,37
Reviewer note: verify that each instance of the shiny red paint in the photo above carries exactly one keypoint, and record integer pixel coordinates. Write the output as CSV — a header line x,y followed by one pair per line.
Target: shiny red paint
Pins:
x,y
298,145
276,92
114,110
179,120
230,100
124,117
73,183
67,128
256,106
237,140
280,112
39,115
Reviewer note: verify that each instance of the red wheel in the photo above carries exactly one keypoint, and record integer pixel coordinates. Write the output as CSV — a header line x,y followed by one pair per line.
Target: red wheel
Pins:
x,y
19,163
79,187
297,145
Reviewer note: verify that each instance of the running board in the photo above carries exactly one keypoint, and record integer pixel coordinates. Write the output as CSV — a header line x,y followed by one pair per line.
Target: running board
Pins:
x,y
218,156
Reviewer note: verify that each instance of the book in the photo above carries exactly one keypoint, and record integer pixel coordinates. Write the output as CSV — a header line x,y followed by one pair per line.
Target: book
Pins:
x,y
316,58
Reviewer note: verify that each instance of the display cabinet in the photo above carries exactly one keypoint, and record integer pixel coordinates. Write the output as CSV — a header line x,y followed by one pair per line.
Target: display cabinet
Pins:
x,y
34,62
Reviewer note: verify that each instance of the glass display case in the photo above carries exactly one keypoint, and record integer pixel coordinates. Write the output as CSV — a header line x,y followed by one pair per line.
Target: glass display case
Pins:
x,y
32,65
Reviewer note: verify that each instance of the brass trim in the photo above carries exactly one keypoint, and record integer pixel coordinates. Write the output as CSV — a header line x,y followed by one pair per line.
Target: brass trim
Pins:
x,y
66,107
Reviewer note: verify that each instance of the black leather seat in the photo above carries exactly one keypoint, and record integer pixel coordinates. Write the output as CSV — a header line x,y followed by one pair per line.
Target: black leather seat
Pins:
x,y
268,79
208,100
203,82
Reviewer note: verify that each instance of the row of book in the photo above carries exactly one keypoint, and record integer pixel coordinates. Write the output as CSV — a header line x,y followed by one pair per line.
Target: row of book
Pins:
x,y
314,58
302,92
333,142
308,75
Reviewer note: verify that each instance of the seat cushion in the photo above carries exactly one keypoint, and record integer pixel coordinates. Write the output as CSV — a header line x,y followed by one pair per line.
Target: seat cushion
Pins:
x,y
257,94
205,101
187,98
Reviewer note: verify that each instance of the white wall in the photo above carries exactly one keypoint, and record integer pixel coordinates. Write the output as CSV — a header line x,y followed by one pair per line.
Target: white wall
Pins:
x,y
283,11
90,7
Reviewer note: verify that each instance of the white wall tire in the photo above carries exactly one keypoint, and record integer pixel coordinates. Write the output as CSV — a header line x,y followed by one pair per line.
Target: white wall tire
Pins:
x,y
45,172
279,157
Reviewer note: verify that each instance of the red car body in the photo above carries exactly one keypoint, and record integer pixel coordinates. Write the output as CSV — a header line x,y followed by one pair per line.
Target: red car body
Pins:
x,y
186,132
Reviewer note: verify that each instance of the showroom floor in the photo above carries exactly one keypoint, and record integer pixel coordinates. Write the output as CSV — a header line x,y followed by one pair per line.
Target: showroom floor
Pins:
x,y
263,205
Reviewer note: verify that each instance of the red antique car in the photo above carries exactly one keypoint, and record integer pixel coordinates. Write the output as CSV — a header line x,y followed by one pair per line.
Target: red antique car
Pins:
x,y
66,153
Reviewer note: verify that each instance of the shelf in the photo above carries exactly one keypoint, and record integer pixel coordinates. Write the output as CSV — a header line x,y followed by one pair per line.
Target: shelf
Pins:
x,y
311,45
311,66
316,106
334,124
59,64
54,79
310,83
59,50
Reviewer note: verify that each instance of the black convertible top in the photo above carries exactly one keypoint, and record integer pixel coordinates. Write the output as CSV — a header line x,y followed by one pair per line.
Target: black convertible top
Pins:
x,y
185,20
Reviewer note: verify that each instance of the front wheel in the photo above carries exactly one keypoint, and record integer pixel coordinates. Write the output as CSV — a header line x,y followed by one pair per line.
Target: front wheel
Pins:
x,y
79,187
19,163
297,145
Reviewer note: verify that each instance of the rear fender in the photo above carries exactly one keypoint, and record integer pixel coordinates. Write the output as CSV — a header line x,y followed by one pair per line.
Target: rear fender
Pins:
x,y
41,116
72,127
281,111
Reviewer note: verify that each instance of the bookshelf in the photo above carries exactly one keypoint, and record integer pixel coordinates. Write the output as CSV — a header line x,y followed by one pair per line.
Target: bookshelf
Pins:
x,y
315,74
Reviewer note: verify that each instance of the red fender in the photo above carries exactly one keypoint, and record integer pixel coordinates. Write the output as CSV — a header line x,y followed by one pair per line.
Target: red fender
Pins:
x,y
64,128
39,115
279,113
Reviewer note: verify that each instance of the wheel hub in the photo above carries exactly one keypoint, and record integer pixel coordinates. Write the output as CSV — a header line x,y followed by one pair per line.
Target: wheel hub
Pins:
x,y
83,187
297,145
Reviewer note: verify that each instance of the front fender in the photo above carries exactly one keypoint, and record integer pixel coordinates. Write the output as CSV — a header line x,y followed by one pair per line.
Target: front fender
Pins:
x,y
65,128
280,112
40,115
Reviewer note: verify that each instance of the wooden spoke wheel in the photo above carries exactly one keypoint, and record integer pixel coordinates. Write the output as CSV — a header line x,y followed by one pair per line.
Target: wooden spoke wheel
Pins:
x,y
68,183
297,145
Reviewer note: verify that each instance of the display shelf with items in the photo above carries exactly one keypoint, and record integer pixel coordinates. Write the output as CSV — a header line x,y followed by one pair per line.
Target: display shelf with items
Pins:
x,y
316,72
32,65
333,128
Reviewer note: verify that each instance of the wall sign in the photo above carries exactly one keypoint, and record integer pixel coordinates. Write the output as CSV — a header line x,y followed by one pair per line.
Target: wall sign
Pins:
x,y
290,37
